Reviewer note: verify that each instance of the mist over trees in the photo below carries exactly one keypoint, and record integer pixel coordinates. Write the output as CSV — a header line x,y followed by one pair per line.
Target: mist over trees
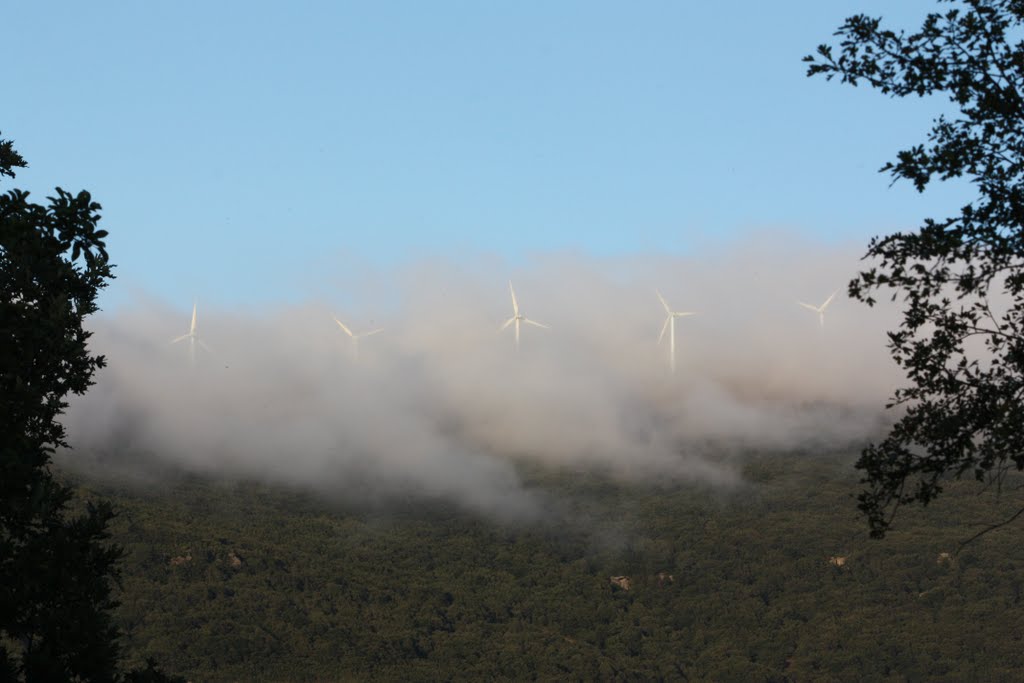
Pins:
x,y
961,278
618,542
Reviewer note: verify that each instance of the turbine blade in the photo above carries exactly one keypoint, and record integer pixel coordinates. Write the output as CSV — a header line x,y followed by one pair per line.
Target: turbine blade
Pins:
x,y
507,323
536,324
829,300
203,344
682,314
809,307
342,326
515,304
372,332
181,338
664,328
192,328
663,302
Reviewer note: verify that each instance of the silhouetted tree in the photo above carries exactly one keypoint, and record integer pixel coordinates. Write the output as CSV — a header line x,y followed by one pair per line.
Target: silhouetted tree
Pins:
x,y
960,278
56,567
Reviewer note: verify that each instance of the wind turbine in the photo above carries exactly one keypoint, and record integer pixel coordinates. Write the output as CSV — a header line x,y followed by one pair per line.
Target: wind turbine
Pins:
x,y
518,317
356,337
670,325
820,310
193,337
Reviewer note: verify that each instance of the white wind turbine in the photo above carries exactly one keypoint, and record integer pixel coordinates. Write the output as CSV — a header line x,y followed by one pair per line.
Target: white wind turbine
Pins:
x,y
192,336
356,337
518,317
670,325
820,310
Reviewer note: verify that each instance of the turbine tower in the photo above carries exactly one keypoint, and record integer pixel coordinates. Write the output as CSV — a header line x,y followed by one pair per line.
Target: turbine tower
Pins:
x,y
518,317
193,337
820,310
670,325
356,337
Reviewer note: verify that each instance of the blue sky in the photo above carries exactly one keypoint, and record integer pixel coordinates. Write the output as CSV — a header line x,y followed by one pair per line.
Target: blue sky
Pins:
x,y
243,151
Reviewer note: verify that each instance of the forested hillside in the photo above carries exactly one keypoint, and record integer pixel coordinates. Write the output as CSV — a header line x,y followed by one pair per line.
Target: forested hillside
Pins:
x,y
774,580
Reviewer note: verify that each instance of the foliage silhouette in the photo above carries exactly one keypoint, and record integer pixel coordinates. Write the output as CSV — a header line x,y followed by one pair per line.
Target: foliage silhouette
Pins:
x,y
56,567
960,278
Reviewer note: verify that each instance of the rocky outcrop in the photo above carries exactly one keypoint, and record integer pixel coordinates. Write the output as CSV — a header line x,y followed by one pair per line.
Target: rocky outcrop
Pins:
x,y
623,582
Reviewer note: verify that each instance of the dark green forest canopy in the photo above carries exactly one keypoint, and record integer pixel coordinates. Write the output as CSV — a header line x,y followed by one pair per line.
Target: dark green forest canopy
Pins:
x,y
774,580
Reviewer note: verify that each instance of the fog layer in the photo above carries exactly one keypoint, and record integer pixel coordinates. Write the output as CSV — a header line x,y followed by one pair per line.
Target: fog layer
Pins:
x,y
442,405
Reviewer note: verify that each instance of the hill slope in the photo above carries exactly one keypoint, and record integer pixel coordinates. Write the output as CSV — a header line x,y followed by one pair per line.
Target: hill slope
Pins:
x,y
240,581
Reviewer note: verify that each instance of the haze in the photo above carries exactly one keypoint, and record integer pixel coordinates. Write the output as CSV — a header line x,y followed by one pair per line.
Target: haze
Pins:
x,y
440,405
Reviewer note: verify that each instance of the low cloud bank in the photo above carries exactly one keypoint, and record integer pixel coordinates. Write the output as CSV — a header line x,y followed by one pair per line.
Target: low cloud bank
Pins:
x,y
441,405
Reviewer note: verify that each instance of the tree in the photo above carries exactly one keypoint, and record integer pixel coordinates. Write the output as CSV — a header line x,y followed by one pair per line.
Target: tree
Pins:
x,y
960,278
56,567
